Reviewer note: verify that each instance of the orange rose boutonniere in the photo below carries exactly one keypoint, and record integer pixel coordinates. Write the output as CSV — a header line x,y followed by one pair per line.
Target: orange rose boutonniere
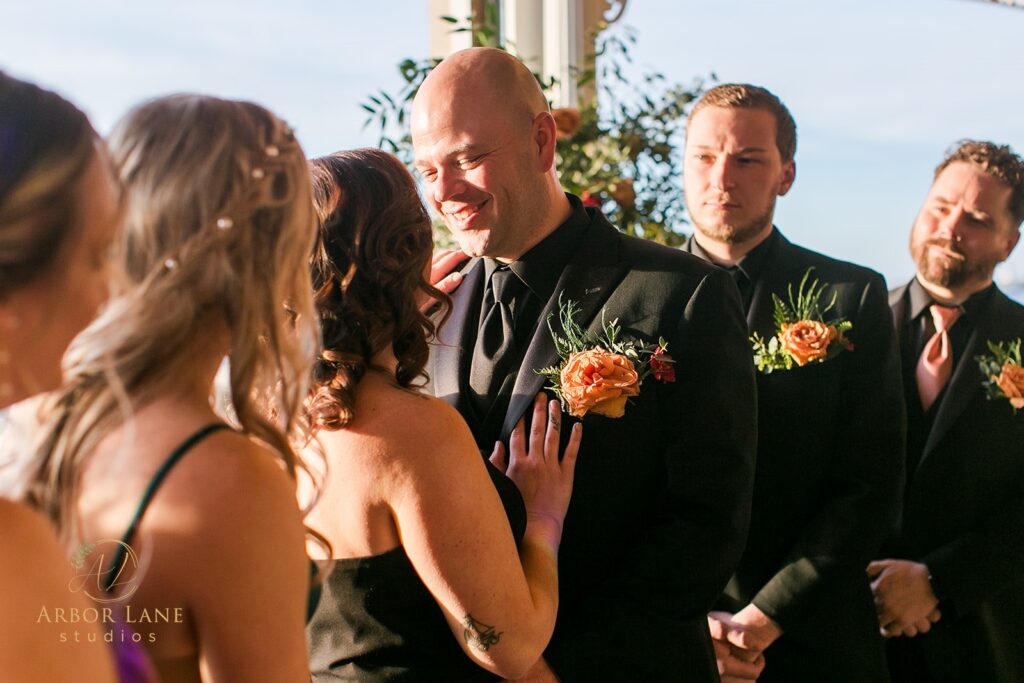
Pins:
x,y
1003,372
801,334
599,372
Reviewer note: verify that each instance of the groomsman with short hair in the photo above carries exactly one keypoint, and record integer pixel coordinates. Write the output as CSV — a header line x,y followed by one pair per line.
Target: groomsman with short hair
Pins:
x,y
831,424
950,592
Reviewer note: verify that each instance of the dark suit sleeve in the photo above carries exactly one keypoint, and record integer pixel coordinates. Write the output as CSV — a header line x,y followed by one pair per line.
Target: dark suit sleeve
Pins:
x,y
862,498
658,600
711,457
978,565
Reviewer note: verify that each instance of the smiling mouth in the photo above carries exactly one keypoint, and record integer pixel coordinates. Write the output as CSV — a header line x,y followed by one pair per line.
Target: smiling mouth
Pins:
x,y
465,213
944,251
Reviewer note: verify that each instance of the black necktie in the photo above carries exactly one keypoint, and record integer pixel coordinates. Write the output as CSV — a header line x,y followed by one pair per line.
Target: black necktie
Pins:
x,y
743,283
495,339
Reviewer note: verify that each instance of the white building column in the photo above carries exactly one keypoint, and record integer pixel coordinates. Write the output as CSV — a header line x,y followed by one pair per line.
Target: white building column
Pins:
x,y
442,41
523,26
552,37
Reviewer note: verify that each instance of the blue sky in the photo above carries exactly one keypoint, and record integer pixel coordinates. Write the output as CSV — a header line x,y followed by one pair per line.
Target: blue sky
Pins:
x,y
879,88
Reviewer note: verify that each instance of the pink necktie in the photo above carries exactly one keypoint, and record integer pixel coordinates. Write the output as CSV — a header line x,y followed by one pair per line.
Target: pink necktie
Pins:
x,y
936,362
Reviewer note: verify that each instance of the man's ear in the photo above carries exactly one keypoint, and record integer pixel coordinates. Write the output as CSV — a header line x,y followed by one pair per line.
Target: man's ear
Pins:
x,y
544,140
1011,244
788,176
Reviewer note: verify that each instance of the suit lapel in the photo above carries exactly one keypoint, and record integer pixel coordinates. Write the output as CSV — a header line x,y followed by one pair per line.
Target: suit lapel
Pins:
x,y
898,305
777,273
588,279
448,350
777,266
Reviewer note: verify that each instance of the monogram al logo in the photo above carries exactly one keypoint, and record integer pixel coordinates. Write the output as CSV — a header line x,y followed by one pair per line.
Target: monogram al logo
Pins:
x,y
105,571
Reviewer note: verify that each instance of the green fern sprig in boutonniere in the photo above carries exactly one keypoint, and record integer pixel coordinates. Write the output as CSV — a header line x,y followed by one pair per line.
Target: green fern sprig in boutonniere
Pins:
x,y
598,372
802,335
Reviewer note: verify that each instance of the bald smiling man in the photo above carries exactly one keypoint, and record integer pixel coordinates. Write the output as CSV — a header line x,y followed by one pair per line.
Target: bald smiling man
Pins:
x,y
661,503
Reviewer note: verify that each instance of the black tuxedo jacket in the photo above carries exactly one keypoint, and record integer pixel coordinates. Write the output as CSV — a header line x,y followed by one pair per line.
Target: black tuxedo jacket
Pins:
x,y
963,512
830,464
661,502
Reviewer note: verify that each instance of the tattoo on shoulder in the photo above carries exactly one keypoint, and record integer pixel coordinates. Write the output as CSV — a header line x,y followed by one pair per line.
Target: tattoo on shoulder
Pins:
x,y
479,635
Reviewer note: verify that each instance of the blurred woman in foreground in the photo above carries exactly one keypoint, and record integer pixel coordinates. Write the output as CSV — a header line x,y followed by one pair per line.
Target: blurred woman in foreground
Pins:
x,y
58,215
196,518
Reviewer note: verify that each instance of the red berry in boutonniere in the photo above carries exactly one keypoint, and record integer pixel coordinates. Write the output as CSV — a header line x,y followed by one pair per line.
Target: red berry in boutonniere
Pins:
x,y
599,371
661,366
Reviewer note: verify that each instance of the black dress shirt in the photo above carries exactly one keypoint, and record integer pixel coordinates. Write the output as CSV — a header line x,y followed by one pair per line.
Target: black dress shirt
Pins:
x,y
748,269
538,269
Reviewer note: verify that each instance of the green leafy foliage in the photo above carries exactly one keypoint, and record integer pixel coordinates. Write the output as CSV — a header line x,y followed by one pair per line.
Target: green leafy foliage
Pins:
x,y
574,339
991,365
78,559
771,354
626,155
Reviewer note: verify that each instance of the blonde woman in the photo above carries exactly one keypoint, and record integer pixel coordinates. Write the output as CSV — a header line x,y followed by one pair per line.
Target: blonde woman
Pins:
x,y
202,541
443,570
58,214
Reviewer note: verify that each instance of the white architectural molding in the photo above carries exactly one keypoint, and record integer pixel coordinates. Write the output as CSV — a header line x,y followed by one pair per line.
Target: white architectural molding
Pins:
x,y
523,24
442,41
563,54
552,37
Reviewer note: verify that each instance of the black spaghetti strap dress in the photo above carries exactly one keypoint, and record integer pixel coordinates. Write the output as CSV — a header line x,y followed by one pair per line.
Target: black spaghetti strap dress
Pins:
x,y
375,620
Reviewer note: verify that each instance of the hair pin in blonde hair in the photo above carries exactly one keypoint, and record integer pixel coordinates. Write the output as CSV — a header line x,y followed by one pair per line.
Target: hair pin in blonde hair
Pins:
x,y
225,223
171,264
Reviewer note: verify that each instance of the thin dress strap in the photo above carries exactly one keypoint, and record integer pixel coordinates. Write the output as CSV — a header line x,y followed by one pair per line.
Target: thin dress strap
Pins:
x,y
151,490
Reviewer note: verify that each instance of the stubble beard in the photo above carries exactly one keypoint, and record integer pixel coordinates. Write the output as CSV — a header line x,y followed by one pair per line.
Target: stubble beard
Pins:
x,y
949,273
736,234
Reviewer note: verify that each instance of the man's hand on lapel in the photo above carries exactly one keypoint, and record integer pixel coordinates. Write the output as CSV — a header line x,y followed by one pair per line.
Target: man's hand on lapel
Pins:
x,y
442,276
538,673
904,598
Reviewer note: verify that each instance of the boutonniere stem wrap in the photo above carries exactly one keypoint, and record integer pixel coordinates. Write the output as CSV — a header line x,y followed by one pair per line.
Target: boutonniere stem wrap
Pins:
x,y
600,371
802,336
1004,376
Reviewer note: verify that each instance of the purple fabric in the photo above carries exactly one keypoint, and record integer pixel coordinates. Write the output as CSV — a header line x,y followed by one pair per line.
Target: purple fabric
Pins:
x,y
133,663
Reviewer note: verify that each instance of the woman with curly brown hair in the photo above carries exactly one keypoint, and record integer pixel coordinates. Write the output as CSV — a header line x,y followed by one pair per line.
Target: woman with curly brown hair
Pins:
x,y
424,544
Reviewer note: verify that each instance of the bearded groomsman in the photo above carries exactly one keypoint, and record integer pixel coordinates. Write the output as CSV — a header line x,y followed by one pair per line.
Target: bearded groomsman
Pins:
x,y
951,596
831,423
